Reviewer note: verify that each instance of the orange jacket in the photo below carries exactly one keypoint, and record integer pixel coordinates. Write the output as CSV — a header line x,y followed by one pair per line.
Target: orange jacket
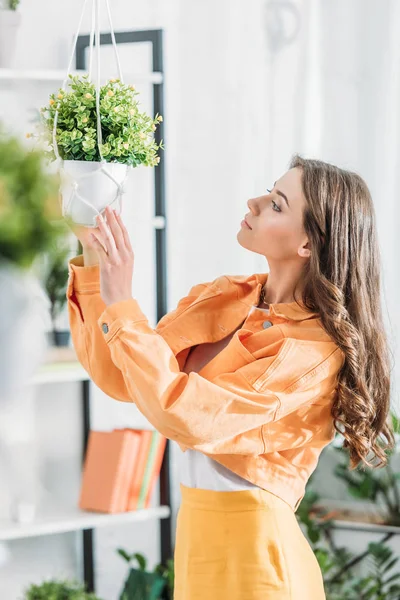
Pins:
x,y
261,407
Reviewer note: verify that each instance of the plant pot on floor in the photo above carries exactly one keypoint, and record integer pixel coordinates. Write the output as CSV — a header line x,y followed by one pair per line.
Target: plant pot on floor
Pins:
x,y
88,187
10,21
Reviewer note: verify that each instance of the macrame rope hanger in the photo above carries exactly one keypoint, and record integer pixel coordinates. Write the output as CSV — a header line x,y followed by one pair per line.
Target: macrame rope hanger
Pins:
x,y
94,36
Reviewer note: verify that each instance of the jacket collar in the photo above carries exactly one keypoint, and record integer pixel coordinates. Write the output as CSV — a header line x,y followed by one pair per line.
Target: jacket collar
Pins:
x,y
249,290
218,319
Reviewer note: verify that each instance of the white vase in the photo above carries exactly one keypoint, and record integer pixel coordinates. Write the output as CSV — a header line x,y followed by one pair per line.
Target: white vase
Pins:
x,y
9,23
23,309
87,190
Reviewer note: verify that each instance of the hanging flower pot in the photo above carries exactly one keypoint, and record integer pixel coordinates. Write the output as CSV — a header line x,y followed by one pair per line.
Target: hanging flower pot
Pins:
x,y
87,188
97,133
10,21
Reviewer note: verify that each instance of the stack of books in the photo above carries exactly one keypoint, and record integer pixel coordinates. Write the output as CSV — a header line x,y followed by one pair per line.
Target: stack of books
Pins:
x,y
121,469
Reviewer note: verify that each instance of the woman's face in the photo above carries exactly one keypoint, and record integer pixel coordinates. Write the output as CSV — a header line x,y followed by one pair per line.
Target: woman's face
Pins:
x,y
276,221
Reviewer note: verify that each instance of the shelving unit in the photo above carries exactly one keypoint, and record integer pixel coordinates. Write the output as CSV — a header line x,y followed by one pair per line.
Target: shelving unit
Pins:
x,y
61,365
68,369
10,75
365,527
56,373
155,38
76,520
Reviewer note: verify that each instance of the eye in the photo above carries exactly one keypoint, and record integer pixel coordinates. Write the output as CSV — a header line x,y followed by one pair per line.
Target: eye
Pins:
x,y
276,207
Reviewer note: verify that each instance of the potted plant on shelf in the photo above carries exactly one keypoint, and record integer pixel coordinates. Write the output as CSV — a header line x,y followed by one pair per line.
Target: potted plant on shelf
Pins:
x,y
58,590
29,209
55,283
142,584
372,574
10,20
96,153
379,488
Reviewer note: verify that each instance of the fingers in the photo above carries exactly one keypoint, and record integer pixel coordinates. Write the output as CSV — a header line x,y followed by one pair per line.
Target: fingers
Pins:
x,y
115,228
106,237
96,235
98,247
113,235
125,234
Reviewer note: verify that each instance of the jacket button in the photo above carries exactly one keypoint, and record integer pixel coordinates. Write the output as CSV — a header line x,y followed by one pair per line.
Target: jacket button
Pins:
x,y
105,328
267,324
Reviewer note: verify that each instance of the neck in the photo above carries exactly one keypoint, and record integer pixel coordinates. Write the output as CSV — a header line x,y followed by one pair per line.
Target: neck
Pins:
x,y
280,285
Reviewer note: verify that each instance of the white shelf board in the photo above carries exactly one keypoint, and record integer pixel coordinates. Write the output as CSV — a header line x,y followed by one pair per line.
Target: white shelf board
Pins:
x,y
76,520
59,75
59,373
366,527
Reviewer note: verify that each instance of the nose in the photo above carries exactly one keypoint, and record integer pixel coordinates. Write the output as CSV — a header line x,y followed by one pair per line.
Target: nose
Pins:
x,y
252,204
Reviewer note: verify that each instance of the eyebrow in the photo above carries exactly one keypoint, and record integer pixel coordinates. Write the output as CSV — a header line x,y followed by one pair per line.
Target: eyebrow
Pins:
x,y
283,195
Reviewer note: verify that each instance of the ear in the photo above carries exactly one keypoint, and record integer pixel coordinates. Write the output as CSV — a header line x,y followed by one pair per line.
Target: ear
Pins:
x,y
304,250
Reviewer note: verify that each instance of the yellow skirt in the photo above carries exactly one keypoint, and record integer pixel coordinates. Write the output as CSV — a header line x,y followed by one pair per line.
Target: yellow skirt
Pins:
x,y
244,545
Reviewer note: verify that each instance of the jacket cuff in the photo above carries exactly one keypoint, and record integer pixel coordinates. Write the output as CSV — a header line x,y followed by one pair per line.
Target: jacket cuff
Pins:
x,y
115,316
81,278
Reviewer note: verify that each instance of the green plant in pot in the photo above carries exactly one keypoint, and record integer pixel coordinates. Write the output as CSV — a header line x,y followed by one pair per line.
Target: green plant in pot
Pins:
x,y
56,282
30,216
58,590
10,20
142,584
376,485
374,573
29,209
94,170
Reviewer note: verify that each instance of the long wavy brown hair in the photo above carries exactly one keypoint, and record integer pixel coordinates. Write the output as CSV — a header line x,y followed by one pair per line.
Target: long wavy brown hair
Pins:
x,y
342,283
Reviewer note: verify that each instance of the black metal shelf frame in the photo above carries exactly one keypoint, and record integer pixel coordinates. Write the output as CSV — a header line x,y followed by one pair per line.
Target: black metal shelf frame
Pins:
x,y
155,37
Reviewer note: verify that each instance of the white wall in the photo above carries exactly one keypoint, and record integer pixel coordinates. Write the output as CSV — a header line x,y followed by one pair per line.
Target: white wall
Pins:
x,y
241,98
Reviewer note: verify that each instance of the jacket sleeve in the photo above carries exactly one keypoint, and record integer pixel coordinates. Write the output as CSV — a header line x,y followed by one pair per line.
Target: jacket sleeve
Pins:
x,y
227,414
85,306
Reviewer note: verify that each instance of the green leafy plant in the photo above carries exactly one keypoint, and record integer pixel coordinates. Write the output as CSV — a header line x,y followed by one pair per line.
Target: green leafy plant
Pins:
x,y
56,280
29,205
11,4
375,485
340,567
167,572
58,590
145,585
127,133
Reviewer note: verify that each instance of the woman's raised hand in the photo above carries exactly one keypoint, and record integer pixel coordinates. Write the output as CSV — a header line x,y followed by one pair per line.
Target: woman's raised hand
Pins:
x,y
116,258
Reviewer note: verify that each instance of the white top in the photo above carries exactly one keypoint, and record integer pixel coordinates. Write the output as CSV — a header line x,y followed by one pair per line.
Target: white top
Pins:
x,y
199,471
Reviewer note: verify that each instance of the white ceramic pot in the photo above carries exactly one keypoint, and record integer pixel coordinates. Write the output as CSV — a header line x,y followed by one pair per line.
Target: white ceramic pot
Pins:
x,y
23,310
87,190
9,23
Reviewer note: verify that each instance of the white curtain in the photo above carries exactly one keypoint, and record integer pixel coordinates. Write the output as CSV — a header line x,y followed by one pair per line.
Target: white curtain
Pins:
x,y
258,82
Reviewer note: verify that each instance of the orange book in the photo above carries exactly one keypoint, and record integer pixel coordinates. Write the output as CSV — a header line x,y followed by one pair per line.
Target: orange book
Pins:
x,y
152,470
156,469
107,470
139,468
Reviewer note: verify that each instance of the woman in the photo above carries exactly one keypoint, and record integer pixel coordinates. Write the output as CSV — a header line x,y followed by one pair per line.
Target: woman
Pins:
x,y
251,375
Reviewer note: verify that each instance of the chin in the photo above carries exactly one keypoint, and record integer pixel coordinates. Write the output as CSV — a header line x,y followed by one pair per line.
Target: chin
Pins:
x,y
238,237
242,240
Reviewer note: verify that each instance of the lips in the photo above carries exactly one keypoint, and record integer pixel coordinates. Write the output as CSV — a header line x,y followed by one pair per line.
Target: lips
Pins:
x,y
247,224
